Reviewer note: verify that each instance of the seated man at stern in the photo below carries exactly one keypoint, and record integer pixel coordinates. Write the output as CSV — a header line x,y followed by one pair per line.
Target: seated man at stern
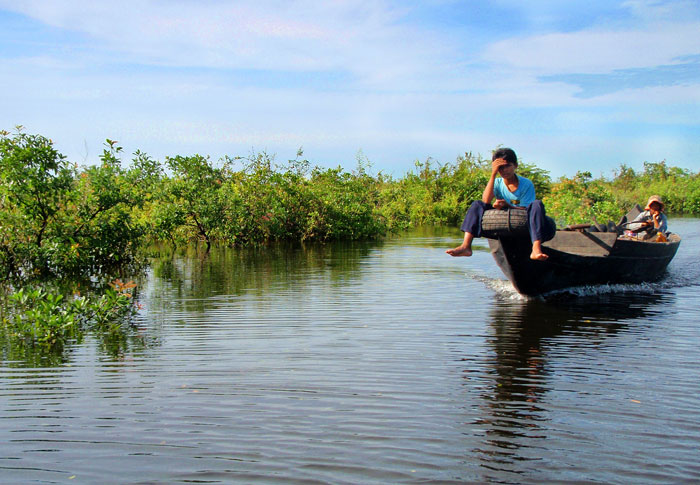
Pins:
x,y
511,191
652,221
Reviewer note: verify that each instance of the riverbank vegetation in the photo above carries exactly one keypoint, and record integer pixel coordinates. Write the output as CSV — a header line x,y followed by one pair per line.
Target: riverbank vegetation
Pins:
x,y
44,317
91,224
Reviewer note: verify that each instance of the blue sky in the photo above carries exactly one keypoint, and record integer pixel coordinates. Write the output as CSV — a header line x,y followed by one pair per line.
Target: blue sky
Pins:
x,y
570,85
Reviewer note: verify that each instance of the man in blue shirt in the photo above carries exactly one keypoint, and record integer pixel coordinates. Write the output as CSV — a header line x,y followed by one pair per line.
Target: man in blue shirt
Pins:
x,y
511,191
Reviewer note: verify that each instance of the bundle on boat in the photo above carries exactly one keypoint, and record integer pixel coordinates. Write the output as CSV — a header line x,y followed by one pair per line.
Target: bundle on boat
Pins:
x,y
501,223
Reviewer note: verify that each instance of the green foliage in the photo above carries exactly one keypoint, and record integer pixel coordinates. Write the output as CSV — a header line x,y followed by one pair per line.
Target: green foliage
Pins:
x,y
582,200
56,221
341,206
32,316
679,188
193,194
35,186
103,232
539,177
264,202
435,194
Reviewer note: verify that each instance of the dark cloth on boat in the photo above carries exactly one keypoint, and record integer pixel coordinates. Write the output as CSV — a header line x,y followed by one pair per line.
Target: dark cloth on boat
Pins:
x,y
540,226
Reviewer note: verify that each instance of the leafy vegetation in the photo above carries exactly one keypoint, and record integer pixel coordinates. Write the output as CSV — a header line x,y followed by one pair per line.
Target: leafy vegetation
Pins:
x,y
56,221
61,220
36,317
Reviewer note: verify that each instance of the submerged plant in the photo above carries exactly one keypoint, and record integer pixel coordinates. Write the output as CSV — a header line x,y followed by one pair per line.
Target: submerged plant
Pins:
x,y
36,317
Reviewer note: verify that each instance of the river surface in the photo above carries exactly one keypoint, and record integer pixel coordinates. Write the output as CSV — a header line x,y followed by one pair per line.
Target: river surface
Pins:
x,y
361,363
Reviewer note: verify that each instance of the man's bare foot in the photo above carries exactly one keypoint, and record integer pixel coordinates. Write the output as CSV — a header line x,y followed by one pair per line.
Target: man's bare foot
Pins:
x,y
460,251
537,253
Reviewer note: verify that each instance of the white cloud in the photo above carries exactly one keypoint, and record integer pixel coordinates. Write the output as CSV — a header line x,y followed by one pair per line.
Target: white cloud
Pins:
x,y
406,91
353,36
598,51
654,11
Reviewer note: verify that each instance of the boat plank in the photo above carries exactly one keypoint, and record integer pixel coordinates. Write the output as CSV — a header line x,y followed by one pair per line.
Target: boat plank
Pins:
x,y
598,244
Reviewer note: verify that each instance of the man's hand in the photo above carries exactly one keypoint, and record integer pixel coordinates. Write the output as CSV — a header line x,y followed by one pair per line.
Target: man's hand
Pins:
x,y
496,164
500,204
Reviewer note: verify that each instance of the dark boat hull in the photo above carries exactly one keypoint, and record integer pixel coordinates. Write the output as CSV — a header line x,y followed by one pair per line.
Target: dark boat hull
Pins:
x,y
581,258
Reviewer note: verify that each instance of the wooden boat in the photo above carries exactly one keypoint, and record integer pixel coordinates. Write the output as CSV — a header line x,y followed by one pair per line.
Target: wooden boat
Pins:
x,y
578,256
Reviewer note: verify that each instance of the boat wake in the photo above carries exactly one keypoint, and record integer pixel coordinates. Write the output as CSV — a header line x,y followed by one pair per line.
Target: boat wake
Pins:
x,y
672,281
687,276
505,291
606,289
503,288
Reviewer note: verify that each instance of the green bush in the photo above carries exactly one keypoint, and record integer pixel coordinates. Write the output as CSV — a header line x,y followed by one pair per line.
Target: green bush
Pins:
x,y
56,221
59,220
33,316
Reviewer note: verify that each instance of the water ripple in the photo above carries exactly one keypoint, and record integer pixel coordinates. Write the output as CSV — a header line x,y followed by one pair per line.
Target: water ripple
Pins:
x,y
368,363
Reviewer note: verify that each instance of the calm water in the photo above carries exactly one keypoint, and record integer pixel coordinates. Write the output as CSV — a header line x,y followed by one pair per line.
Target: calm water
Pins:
x,y
369,363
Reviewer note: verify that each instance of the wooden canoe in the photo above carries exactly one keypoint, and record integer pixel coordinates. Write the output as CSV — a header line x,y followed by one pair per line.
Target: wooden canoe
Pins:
x,y
578,258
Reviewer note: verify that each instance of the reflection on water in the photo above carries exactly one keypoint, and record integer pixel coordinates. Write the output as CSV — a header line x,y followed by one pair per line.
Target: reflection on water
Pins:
x,y
227,271
114,345
365,363
524,335
570,386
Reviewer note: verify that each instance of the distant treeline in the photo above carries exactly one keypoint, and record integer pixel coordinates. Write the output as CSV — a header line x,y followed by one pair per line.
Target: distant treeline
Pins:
x,y
61,219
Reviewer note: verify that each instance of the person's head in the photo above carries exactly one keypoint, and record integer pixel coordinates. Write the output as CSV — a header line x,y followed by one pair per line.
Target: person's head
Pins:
x,y
506,154
655,203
